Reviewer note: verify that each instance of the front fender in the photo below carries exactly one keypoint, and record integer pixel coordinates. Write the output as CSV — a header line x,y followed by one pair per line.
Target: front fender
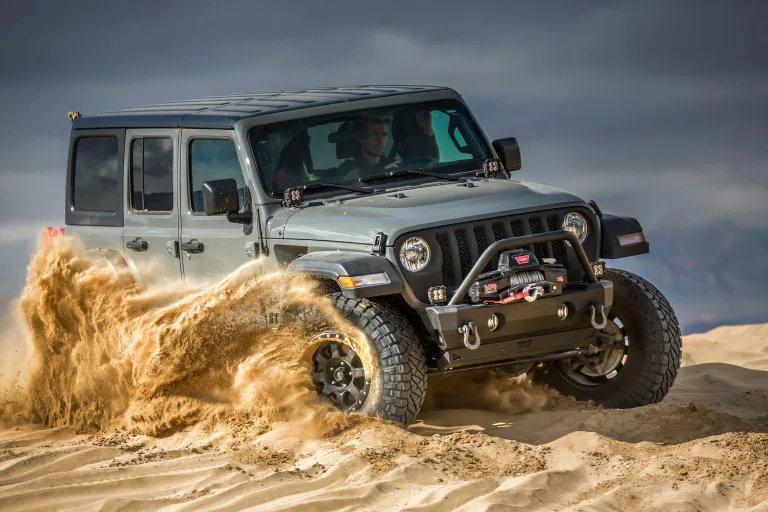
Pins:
x,y
614,228
333,264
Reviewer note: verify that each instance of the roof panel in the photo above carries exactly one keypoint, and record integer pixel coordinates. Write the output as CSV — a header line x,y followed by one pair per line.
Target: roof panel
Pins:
x,y
224,111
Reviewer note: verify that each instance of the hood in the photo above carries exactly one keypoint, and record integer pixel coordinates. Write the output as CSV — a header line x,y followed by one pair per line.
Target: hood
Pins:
x,y
358,219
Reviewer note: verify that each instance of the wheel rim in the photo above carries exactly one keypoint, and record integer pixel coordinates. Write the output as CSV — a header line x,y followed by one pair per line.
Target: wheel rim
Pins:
x,y
603,367
338,372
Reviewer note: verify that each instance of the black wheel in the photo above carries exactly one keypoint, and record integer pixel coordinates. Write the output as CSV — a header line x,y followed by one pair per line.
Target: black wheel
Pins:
x,y
338,371
642,364
394,386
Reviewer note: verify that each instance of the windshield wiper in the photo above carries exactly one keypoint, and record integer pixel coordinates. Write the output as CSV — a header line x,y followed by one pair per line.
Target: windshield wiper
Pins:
x,y
332,184
417,172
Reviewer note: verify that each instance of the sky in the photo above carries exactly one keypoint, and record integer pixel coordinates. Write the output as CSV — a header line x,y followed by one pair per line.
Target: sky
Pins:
x,y
654,109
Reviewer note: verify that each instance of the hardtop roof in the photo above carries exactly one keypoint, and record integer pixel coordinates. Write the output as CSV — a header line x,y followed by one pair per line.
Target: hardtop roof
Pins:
x,y
225,111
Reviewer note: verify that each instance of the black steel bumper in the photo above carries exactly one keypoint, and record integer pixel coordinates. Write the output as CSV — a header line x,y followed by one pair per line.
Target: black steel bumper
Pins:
x,y
524,329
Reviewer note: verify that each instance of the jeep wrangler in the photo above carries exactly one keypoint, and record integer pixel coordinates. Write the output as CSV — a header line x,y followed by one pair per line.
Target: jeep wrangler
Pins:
x,y
394,200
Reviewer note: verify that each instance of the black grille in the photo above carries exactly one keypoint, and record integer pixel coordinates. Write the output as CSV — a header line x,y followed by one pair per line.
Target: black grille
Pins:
x,y
540,250
517,228
465,253
498,231
457,247
482,241
445,248
558,247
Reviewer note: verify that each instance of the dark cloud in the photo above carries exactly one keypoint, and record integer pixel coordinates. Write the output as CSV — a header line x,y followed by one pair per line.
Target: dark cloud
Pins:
x,y
655,109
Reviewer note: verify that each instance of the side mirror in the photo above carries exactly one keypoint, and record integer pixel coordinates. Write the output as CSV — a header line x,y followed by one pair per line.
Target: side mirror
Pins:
x,y
220,197
509,152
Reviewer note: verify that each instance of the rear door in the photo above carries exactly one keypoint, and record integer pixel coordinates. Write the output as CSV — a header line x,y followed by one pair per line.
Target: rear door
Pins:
x,y
151,233
211,246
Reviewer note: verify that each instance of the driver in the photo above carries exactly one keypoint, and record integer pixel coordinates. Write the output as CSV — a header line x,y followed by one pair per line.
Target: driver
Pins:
x,y
370,160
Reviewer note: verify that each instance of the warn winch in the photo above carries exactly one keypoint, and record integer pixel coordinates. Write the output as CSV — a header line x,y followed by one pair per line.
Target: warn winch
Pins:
x,y
519,276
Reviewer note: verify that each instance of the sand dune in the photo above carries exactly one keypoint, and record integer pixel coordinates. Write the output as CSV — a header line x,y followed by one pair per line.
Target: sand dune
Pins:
x,y
704,448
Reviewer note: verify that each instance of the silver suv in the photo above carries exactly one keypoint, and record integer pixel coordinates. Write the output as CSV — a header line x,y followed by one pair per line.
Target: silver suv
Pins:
x,y
395,202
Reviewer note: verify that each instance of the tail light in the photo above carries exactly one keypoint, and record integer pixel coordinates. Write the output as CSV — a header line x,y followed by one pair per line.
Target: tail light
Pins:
x,y
50,233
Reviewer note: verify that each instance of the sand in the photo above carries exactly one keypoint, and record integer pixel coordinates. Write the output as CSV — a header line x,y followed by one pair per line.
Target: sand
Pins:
x,y
519,448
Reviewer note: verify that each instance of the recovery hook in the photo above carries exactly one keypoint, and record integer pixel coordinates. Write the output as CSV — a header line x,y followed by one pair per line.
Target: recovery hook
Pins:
x,y
468,330
593,312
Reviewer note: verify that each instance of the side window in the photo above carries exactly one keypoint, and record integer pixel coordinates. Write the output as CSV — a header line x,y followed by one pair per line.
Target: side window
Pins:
x,y
442,126
96,186
212,159
152,175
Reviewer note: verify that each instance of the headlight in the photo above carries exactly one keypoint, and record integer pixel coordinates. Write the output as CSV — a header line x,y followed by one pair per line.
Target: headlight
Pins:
x,y
577,225
414,254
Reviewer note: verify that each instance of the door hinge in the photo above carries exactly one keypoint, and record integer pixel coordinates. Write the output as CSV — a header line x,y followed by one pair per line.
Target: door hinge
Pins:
x,y
379,244
172,248
250,249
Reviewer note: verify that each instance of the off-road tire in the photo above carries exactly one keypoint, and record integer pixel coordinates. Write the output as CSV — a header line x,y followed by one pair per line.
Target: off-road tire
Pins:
x,y
403,373
655,347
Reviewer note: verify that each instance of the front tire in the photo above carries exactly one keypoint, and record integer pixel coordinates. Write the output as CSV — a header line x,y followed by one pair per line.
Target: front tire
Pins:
x,y
397,385
644,369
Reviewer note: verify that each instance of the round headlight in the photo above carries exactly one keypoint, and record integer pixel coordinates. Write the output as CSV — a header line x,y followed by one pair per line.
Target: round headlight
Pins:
x,y
577,225
414,254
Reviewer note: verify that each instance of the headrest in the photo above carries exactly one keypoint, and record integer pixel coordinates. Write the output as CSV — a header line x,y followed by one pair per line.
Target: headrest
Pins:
x,y
346,139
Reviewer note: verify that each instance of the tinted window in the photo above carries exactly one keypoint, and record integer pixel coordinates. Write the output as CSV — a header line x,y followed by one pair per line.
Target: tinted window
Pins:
x,y
152,174
213,159
448,137
439,136
96,186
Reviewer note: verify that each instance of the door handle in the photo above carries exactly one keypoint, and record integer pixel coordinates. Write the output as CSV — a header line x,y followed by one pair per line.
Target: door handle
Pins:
x,y
192,246
137,245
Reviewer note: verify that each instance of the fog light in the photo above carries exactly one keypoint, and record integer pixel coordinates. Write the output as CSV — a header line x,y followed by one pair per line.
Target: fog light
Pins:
x,y
437,295
563,312
493,322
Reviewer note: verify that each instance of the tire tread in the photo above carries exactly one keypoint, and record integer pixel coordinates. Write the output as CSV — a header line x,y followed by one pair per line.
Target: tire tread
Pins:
x,y
401,355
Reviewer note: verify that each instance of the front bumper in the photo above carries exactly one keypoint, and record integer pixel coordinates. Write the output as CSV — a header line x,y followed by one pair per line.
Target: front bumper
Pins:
x,y
522,329
525,329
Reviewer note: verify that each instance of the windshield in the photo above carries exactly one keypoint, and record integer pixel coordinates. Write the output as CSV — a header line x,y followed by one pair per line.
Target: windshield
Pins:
x,y
436,136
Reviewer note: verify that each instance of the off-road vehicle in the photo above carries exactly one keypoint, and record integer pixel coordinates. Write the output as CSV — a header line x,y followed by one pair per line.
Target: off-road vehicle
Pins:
x,y
396,202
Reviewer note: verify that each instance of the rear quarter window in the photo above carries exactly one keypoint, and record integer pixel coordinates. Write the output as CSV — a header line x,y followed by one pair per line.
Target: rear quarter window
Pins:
x,y
96,185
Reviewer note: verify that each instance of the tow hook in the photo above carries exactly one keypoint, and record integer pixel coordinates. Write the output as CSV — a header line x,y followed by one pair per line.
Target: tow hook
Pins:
x,y
533,292
593,311
468,330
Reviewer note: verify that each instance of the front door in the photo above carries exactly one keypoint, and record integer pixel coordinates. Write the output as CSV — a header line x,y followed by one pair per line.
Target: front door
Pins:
x,y
151,232
211,246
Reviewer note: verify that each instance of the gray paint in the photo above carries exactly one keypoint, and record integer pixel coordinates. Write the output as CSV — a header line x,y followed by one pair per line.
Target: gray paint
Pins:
x,y
359,219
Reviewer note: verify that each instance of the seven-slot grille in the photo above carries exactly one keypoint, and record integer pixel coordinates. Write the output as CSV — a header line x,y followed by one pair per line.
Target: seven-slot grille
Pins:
x,y
460,245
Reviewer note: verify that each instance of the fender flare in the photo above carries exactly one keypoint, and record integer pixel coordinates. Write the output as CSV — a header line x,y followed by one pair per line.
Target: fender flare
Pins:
x,y
614,226
331,265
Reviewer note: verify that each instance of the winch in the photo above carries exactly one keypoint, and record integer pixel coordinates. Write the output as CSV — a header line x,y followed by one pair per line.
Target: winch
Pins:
x,y
519,276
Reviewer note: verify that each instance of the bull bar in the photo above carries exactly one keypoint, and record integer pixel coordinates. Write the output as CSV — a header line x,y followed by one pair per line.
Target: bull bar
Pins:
x,y
527,330
516,243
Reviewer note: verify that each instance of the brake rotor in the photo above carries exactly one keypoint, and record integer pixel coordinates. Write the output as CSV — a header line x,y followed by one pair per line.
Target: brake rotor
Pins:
x,y
606,361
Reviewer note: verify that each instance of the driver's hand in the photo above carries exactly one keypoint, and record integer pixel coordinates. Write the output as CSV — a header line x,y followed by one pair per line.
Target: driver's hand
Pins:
x,y
394,164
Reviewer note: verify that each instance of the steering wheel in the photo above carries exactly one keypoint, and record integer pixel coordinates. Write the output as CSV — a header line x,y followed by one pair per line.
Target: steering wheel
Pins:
x,y
352,175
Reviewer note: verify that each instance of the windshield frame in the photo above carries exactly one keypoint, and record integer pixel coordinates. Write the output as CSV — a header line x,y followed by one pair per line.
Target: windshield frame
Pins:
x,y
313,116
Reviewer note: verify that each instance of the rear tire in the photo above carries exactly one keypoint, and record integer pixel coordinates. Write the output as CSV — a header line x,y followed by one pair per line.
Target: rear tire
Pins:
x,y
399,384
651,355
